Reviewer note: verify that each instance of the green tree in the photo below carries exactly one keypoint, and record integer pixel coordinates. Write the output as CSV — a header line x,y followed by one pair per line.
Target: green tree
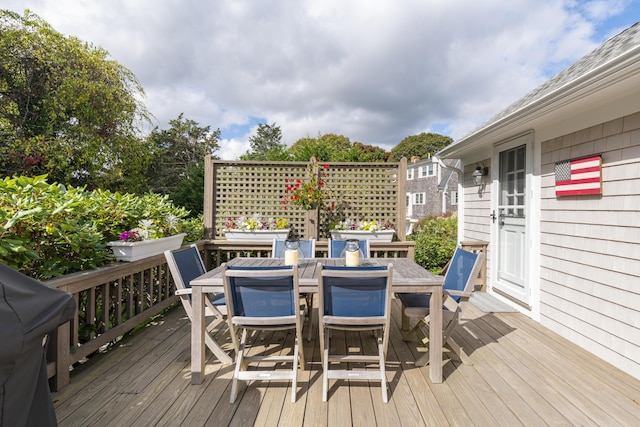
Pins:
x,y
267,144
189,191
419,145
360,152
177,151
326,148
66,109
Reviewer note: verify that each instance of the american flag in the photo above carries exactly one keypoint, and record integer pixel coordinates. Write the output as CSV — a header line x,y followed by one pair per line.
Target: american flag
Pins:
x,y
579,176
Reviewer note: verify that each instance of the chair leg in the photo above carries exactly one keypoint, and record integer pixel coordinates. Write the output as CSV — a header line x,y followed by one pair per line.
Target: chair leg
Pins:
x,y
459,351
309,302
239,365
410,334
294,379
325,366
383,375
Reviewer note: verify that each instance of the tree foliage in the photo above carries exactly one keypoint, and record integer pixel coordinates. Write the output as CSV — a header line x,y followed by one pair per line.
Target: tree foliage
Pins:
x,y
436,241
420,145
65,108
360,152
177,150
267,144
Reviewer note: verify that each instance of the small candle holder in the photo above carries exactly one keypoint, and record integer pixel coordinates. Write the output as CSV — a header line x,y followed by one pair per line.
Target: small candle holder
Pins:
x,y
352,255
292,252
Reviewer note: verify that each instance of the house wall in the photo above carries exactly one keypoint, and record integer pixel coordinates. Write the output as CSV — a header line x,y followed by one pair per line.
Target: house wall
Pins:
x,y
475,220
590,245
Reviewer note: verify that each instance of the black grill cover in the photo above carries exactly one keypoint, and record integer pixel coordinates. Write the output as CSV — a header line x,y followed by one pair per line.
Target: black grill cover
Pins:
x,y
29,310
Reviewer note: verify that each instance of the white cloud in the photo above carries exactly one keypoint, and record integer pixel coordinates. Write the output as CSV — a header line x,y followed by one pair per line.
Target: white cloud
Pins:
x,y
375,72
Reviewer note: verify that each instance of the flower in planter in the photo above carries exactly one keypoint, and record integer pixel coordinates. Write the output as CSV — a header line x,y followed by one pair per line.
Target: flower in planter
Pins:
x,y
371,226
148,230
308,193
256,222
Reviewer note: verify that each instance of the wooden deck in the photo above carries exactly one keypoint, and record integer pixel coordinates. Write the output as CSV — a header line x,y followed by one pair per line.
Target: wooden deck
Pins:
x,y
522,374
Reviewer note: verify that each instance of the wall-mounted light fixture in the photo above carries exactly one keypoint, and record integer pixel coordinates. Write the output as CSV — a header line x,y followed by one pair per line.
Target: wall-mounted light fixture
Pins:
x,y
479,174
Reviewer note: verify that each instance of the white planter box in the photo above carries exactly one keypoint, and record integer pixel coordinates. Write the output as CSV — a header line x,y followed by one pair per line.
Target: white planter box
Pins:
x,y
378,236
133,251
255,235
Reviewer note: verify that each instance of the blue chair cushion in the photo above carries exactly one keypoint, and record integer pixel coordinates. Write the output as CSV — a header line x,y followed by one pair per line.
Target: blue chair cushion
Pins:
x,y
218,299
263,296
354,296
414,300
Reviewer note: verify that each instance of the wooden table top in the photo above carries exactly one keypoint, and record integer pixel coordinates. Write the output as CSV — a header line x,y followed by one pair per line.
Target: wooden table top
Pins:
x,y
407,275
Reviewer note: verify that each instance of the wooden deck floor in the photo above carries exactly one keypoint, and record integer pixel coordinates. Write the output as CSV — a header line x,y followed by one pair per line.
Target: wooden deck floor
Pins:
x,y
522,374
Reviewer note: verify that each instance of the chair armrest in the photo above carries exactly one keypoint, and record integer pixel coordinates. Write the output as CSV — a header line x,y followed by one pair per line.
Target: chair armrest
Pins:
x,y
183,291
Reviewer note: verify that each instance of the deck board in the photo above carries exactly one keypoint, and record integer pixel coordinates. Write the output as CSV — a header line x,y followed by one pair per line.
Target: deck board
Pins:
x,y
521,374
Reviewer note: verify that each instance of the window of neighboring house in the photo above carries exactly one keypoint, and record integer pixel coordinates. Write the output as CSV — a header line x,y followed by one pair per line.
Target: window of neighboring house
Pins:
x,y
408,199
454,197
426,171
418,199
410,173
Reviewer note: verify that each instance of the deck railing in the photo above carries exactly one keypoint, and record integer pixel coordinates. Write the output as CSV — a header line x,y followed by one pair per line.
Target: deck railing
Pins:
x,y
136,291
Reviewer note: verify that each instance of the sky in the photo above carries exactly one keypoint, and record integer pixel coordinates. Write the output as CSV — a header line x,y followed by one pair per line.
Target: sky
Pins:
x,y
375,71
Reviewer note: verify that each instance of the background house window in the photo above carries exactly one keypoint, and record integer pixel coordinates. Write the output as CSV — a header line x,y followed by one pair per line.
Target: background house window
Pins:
x,y
454,197
418,199
410,173
426,171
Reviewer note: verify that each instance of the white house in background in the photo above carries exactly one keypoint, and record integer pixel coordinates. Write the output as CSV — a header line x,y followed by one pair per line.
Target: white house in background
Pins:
x,y
571,262
431,188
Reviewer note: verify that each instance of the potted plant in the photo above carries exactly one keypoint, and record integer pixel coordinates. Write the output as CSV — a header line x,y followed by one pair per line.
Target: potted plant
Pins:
x,y
256,228
147,239
370,230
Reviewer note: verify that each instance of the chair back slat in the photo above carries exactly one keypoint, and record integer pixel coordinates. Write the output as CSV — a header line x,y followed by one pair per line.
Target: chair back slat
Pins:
x,y
308,248
336,247
361,294
459,276
189,265
262,291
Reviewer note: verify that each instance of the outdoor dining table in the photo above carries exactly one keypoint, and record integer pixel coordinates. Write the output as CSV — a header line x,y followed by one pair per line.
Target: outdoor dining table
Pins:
x,y
407,277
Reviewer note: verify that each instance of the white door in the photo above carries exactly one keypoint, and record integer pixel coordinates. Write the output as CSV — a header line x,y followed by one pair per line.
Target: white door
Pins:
x,y
511,223
409,206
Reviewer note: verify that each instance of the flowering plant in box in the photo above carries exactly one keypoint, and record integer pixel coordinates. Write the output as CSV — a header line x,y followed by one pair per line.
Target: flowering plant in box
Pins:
x,y
371,226
256,222
148,230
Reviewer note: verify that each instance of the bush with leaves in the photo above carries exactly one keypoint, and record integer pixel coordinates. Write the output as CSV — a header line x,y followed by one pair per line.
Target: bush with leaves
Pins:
x,y
50,230
436,241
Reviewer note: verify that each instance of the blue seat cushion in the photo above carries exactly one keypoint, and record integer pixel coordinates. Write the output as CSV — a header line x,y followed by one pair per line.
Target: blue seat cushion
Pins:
x,y
409,299
217,299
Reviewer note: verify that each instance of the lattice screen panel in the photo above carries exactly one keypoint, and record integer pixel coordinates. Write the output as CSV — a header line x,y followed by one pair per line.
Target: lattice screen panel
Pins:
x,y
365,191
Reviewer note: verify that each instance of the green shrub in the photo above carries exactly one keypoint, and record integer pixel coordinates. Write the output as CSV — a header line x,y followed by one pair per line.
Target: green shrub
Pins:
x,y
436,241
50,230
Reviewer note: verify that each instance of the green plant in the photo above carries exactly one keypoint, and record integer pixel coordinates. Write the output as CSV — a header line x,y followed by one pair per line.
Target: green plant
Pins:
x,y
49,230
436,241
